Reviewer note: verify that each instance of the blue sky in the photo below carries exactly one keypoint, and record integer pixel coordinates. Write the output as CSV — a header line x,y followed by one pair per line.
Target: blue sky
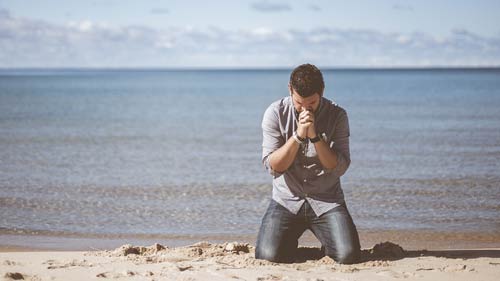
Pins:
x,y
261,33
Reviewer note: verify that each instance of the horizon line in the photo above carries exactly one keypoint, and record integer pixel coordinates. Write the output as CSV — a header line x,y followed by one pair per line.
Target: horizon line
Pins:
x,y
243,68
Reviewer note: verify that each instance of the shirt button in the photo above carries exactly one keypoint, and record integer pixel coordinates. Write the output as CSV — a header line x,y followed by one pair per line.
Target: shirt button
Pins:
x,y
305,180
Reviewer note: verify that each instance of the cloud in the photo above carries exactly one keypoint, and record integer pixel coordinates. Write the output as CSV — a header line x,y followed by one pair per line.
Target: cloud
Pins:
x,y
315,8
266,6
4,13
402,7
32,43
159,11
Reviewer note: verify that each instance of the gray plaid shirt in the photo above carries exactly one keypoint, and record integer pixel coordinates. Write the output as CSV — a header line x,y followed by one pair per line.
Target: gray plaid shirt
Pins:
x,y
306,178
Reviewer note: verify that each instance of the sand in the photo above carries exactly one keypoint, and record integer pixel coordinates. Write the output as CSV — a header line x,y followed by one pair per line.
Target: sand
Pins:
x,y
235,261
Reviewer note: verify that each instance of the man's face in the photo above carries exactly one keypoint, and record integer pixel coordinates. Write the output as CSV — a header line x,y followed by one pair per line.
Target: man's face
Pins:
x,y
300,103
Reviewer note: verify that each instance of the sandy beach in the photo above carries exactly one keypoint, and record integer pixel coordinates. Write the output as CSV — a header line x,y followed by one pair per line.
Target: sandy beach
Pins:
x,y
235,261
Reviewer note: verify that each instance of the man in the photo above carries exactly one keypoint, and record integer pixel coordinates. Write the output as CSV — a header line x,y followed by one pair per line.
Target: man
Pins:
x,y
306,149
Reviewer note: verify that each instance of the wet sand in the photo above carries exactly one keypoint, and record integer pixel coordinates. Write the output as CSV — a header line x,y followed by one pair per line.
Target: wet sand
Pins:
x,y
410,240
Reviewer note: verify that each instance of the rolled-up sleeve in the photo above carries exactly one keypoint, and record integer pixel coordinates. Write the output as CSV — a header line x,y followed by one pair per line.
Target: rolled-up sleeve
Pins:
x,y
340,145
272,138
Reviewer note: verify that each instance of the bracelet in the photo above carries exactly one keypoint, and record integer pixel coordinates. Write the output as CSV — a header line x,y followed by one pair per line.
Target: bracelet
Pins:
x,y
298,139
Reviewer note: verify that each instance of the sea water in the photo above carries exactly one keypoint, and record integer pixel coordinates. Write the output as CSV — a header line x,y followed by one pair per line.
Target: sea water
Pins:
x,y
178,152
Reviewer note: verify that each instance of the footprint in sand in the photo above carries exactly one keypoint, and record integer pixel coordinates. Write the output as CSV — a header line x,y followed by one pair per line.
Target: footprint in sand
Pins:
x,y
20,276
14,276
11,263
127,273
456,268
270,277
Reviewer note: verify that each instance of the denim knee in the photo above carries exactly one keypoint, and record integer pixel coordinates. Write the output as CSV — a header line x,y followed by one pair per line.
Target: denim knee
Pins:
x,y
267,253
346,255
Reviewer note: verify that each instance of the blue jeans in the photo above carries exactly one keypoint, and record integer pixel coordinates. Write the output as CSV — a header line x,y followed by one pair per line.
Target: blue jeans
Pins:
x,y
280,230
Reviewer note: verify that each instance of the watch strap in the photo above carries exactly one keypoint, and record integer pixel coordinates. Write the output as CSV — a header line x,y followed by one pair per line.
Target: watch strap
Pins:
x,y
315,139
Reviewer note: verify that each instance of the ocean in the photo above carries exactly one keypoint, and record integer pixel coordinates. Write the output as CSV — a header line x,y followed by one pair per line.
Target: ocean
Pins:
x,y
177,153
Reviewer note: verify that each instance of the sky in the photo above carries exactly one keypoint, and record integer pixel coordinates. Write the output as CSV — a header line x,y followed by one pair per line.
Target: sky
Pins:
x,y
253,33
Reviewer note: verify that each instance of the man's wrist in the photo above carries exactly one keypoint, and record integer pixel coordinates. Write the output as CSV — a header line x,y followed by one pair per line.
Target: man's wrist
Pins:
x,y
298,139
302,138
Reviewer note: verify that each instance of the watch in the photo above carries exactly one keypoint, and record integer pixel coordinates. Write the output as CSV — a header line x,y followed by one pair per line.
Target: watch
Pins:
x,y
315,139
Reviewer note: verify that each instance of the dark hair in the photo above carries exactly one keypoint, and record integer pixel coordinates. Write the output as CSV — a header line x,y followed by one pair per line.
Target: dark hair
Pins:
x,y
306,80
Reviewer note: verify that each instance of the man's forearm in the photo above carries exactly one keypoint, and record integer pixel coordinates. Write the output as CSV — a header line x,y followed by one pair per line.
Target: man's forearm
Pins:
x,y
327,157
283,157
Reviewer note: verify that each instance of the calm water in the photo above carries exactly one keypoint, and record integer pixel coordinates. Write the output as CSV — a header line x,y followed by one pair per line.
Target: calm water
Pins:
x,y
178,152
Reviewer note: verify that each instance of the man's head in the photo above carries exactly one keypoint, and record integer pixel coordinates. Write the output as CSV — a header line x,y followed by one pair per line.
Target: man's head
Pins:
x,y
306,87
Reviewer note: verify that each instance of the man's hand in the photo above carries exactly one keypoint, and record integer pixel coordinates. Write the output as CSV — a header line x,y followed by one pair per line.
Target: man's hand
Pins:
x,y
305,123
306,128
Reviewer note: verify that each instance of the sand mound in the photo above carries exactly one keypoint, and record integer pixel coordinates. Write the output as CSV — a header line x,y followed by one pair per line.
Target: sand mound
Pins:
x,y
238,255
158,253
385,250
128,249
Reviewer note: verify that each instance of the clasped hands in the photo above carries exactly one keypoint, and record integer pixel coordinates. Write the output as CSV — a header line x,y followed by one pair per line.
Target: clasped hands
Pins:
x,y
305,126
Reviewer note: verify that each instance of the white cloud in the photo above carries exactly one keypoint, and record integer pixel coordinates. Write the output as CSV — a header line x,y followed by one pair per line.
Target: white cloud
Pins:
x,y
82,26
403,39
262,31
30,43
